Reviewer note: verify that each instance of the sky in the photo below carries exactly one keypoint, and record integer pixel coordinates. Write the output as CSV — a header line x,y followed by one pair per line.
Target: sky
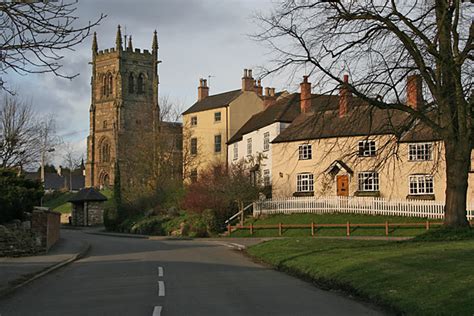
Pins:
x,y
197,39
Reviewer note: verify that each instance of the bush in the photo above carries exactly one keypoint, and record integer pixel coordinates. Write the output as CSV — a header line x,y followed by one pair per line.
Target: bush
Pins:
x,y
17,195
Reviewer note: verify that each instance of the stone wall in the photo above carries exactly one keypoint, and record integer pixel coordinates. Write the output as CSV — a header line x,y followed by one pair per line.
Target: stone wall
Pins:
x,y
96,213
46,225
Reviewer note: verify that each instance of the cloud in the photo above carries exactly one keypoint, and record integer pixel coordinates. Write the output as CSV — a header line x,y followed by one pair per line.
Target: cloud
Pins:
x,y
197,38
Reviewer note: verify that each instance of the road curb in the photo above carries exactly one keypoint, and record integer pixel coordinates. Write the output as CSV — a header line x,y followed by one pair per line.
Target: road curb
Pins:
x,y
121,235
84,250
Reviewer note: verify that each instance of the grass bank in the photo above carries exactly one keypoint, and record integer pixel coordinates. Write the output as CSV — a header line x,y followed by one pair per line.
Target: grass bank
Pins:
x,y
58,201
332,219
416,278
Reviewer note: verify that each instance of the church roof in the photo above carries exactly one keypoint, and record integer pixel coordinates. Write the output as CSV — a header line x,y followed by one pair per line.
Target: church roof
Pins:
x,y
214,101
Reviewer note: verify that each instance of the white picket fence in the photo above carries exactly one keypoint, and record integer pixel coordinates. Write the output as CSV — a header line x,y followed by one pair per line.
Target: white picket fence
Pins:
x,y
354,205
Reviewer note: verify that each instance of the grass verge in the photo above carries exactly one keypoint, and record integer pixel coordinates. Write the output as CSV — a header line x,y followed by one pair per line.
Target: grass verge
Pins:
x,y
410,277
334,218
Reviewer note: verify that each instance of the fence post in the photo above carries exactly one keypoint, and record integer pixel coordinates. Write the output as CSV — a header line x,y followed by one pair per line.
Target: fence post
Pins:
x,y
229,229
279,229
348,229
386,228
312,228
251,229
427,225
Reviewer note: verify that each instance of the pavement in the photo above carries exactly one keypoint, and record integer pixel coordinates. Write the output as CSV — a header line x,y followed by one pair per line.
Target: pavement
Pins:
x,y
138,276
17,272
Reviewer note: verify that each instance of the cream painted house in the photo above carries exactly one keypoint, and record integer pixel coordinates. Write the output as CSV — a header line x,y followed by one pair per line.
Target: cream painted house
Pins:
x,y
253,142
211,122
355,151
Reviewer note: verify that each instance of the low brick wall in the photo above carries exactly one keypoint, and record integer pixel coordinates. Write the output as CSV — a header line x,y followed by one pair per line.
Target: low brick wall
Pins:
x,y
46,225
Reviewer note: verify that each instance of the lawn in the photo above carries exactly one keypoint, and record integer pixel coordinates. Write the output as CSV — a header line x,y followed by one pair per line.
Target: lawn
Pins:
x,y
416,278
331,219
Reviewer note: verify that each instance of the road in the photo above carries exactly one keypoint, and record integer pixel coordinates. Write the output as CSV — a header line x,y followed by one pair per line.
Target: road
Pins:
x,y
126,276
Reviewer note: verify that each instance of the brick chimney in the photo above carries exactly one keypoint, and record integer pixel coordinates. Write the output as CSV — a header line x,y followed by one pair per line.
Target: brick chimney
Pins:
x,y
414,91
344,97
305,95
203,89
269,98
258,88
247,81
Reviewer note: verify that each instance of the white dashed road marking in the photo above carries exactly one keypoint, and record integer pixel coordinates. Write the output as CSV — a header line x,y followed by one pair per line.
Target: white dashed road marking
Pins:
x,y
157,311
161,288
160,272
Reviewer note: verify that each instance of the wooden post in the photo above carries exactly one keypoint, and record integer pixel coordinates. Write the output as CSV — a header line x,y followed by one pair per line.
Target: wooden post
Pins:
x,y
427,225
348,229
229,229
279,229
251,229
312,228
386,228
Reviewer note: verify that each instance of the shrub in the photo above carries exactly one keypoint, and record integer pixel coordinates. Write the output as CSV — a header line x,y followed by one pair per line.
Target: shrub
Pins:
x,y
17,195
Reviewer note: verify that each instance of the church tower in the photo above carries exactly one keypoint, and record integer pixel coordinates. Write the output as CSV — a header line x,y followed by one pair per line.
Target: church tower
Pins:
x,y
124,111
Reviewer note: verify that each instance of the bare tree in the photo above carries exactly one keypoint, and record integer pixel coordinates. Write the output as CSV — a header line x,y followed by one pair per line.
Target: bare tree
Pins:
x,y
72,160
170,111
34,34
19,134
380,43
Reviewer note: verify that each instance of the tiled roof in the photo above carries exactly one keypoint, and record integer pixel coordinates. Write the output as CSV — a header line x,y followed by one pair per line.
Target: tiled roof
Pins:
x,y
88,194
213,101
53,181
285,109
362,120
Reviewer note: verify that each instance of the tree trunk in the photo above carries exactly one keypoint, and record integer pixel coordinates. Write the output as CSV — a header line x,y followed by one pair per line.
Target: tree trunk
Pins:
x,y
457,172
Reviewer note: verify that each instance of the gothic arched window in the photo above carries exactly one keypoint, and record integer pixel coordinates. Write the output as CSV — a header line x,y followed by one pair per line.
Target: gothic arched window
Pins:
x,y
131,83
105,151
141,84
109,84
104,85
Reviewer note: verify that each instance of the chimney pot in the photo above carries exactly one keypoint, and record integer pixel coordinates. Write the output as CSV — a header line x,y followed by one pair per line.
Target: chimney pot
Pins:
x,y
344,97
414,91
203,89
248,83
305,95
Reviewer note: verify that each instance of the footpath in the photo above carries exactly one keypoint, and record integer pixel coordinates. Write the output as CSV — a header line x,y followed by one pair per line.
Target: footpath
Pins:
x,y
17,272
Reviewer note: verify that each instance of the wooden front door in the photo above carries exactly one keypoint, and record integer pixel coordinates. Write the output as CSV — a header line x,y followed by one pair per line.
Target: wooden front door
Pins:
x,y
343,185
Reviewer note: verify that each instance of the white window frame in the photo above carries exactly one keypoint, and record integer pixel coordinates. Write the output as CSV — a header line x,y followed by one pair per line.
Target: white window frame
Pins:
x,y
420,184
249,146
305,152
266,141
367,148
194,121
236,151
217,114
305,182
420,151
368,181
266,177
